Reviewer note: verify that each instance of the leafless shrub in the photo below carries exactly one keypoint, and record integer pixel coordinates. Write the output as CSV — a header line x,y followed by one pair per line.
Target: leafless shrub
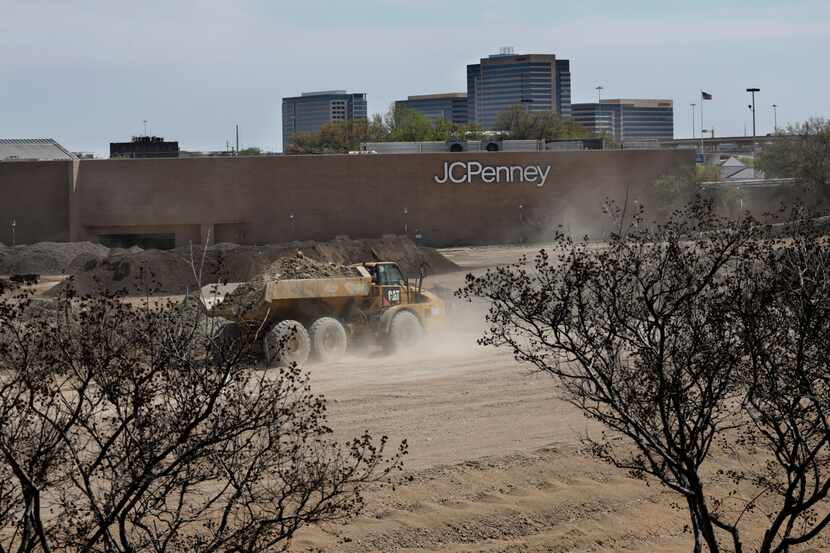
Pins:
x,y
128,429
679,336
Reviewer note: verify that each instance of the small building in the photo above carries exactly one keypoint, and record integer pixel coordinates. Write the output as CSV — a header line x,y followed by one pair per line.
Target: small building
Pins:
x,y
141,147
308,112
32,149
627,120
735,170
450,106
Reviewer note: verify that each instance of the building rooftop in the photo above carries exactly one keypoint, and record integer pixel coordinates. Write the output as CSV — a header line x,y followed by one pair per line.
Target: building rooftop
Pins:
x,y
41,149
323,93
438,96
640,102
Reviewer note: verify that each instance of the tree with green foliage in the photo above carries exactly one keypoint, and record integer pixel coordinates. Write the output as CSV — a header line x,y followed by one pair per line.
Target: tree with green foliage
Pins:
x,y
801,152
338,137
516,123
400,124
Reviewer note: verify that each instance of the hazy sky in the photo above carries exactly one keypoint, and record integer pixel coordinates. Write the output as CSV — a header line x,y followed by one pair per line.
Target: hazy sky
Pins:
x,y
88,72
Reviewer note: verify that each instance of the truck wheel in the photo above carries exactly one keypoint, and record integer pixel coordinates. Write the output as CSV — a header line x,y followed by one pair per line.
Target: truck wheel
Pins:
x,y
328,339
405,332
287,342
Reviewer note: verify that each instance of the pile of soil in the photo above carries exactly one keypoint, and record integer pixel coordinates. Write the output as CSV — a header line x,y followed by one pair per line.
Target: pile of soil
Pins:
x,y
137,271
403,251
248,297
47,258
153,272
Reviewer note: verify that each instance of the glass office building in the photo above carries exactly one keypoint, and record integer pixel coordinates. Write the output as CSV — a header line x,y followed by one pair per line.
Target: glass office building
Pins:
x,y
627,120
311,110
539,82
451,106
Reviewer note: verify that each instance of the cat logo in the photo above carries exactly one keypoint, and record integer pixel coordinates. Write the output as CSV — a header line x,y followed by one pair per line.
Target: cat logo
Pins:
x,y
392,296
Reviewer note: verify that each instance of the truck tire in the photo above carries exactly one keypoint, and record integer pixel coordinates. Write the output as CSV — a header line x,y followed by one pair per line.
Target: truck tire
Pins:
x,y
286,343
328,339
405,332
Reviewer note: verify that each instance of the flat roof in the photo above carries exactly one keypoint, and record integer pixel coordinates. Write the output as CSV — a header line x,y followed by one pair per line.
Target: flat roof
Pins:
x,y
43,149
640,102
438,96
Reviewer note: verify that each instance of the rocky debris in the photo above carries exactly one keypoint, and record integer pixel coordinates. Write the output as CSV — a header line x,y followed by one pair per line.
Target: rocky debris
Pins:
x,y
46,258
301,267
248,297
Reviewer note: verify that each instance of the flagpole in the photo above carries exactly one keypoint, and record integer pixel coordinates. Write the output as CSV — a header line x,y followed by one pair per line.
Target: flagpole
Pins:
x,y
702,101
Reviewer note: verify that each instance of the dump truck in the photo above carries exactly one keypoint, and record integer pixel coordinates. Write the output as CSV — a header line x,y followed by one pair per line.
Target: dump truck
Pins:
x,y
321,318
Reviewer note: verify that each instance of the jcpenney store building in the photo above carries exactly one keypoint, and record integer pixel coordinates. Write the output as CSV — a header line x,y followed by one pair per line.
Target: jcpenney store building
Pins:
x,y
451,198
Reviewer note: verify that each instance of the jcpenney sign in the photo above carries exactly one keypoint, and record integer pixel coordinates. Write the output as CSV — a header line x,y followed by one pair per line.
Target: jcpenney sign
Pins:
x,y
465,171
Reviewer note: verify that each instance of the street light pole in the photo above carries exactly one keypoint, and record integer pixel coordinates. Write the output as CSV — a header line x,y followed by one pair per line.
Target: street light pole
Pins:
x,y
14,238
693,120
752,107
775,118
599,94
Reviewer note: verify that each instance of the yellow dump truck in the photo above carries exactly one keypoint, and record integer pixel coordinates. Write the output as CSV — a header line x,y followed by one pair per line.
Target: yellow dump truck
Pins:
x,y
323,317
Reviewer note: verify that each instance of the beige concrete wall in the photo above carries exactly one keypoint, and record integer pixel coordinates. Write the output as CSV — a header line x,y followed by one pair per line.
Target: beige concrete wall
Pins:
x,y
253,199
36,195
363,196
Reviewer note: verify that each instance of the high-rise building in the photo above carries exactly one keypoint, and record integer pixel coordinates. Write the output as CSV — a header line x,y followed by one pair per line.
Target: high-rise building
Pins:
x,y
311,110
539,82
627,120
451,106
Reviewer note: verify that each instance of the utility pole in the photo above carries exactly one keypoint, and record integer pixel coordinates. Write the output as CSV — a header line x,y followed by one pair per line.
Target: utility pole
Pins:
x,y
14,227
752,106
775,118
237,139
693,120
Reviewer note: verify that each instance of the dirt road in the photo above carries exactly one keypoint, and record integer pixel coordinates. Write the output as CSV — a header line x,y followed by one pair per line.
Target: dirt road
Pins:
x,y
494,458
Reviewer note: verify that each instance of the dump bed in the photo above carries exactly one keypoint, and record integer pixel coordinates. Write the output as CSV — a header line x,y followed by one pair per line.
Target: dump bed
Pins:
x,y
283,298
317,288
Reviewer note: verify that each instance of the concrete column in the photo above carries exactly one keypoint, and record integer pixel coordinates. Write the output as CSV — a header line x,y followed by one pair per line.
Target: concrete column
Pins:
x,y
75,230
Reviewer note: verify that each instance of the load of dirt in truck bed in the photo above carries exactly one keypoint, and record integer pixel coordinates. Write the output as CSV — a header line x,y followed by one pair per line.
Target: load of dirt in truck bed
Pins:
x,y
46,258
248,296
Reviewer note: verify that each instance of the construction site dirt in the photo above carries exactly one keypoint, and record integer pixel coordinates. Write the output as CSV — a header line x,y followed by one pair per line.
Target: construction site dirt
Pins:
x,y
496,462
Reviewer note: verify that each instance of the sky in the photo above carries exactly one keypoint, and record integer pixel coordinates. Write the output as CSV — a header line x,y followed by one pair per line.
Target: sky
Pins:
x,y
88,72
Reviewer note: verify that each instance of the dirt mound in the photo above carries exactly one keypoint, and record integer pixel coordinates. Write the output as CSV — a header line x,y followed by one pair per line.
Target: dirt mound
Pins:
x,y
46,258
145,272
138,271
247,297
401,250
236,263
